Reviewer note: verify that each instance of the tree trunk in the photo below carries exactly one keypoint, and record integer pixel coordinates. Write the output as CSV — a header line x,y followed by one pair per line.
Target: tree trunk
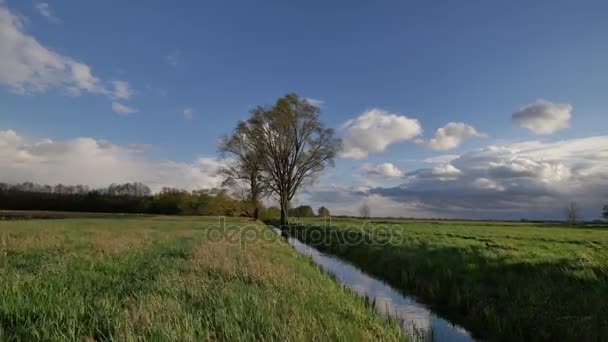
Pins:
x,y
254,197
284,213
256,211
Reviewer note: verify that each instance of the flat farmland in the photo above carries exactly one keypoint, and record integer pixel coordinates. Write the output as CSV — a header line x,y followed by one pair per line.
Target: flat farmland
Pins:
x,y
171,278
502,281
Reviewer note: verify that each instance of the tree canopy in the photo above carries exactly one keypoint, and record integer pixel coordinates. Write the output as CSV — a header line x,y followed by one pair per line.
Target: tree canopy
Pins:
x,y
242,167
323,212
302,211
293,145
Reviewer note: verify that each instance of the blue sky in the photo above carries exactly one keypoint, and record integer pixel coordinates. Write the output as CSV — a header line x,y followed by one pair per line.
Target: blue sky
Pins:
x,y
474,62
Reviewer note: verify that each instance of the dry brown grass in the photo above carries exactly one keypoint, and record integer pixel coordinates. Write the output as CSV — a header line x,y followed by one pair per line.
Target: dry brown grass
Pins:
x,y
254,260
109,242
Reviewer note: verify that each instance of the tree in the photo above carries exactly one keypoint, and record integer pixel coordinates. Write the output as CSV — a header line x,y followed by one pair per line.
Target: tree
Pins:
x,y
293,145
302,211
323,212
272,213
605,213
364,211
572,213
242,169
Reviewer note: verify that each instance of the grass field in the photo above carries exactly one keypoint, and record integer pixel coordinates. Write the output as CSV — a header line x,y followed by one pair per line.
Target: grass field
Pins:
x,y
503,281
169,279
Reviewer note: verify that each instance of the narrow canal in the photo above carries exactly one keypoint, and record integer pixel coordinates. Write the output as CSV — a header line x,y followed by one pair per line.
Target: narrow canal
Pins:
x,y
416,319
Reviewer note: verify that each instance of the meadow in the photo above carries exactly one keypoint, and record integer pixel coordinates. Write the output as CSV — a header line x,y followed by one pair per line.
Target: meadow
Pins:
x,y
169,278
502,281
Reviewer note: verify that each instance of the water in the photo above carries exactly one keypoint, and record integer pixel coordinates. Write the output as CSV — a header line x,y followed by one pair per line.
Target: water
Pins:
x,y
416,319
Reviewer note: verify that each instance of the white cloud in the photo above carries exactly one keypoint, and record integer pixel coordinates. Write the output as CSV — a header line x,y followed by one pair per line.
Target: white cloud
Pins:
x,y
314,102
386,170
530,179
533,180
451,136
45,10
173,58
26,66
122,109
374,130
543,117
445,172
122,90
97,163
488,184
188,113
442,159
8,138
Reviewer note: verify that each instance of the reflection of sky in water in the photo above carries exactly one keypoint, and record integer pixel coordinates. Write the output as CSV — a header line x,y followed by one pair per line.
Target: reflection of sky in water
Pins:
x,y
417,320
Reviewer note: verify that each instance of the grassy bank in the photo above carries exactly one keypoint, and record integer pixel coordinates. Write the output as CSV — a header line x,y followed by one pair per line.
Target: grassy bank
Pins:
x,y
502,281
168,279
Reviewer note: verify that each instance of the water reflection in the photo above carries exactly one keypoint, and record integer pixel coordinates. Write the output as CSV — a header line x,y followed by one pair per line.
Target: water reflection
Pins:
x,y
416,319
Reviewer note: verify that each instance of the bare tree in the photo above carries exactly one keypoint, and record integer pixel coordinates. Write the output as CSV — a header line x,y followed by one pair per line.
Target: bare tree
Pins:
x,y
572,212
293,145
364,210
242,168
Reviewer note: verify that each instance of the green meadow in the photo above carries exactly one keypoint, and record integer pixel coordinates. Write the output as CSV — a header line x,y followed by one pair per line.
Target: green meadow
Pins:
x,y
178,279
502,281
190,279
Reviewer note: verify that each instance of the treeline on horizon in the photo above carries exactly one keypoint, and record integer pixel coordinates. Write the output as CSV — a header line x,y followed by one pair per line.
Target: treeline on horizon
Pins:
x,y
136,198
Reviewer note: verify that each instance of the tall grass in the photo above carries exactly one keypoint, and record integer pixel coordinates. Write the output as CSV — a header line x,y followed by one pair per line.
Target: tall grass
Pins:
x,y
166,279
503,282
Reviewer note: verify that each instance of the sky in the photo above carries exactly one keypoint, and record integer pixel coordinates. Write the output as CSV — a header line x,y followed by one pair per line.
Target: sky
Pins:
x,y
476,109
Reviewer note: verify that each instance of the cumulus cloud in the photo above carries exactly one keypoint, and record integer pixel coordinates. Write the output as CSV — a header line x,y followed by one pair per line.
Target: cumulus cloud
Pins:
x,y
188,113
45,10
97,163
386,170
485,183
374,130
543,117
122,109
451,136
442,173
532,179
442,159
26,66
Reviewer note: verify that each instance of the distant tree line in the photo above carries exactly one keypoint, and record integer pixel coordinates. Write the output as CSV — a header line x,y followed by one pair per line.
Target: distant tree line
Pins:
x,y
136,198
119,198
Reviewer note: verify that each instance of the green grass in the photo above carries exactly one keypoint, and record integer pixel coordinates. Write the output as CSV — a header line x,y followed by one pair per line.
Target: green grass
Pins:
x,y
503,281
168,279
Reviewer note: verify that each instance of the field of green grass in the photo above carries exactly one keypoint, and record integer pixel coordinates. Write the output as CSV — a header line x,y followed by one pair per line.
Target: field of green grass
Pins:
x,y
169,279
502,281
